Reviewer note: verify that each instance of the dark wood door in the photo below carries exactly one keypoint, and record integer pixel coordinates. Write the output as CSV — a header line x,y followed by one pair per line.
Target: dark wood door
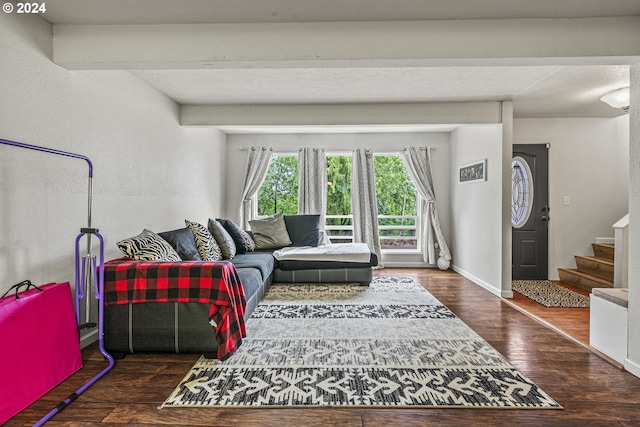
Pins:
x,y
530,211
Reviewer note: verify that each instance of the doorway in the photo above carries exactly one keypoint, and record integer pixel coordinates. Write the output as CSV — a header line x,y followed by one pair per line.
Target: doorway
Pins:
x,y
530,211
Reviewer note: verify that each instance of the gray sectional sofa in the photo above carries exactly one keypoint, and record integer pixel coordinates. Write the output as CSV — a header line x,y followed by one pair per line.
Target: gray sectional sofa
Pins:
x,y
184,327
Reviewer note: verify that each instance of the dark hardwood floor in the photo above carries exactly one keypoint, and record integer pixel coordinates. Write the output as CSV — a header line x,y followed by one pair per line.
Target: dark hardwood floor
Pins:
x,y
592,391
572,322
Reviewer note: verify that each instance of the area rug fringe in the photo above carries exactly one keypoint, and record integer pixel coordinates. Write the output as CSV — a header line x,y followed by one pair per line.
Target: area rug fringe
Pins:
x,y
391,344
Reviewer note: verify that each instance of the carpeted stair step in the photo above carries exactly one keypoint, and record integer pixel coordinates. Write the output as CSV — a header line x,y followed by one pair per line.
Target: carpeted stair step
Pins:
x,y
595,266
582,280
603,250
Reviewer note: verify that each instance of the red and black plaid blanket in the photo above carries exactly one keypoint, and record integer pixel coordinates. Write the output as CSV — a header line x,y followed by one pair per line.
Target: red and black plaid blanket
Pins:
x,y
213,282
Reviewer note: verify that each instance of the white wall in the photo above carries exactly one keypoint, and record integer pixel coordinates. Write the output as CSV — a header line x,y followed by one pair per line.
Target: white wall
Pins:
x,y
149,171
476,230
345,143
588,161
632,363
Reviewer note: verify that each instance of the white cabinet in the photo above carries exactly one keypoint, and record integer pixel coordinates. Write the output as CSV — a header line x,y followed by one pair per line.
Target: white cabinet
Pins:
x,y
608,322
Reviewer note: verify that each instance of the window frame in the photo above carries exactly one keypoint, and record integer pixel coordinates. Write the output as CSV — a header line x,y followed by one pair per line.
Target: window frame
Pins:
x,y
418,222
418,235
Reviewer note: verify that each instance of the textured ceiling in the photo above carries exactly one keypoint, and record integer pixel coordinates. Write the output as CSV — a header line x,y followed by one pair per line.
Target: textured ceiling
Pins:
x,y
537,91
327,85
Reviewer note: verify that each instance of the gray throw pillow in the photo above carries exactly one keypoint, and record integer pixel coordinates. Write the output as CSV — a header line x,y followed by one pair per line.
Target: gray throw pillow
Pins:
x,y
244,242
270,232
223,239
183,242
304,230
148,246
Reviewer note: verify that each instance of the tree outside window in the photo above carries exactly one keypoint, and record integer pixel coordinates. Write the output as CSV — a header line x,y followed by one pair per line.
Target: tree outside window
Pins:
x,y
339,221
279,191
396,194
397,203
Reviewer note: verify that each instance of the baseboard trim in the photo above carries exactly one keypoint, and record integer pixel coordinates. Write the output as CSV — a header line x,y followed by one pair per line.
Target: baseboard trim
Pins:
x,y
605,240
632,367
89,338
392,264
480,282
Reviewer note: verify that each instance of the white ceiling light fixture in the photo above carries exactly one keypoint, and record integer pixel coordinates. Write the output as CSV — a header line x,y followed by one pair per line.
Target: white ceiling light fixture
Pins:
x,y
618,99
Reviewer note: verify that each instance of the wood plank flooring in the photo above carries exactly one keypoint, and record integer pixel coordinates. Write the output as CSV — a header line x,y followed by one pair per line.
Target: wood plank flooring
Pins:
x,y
573,322
592,391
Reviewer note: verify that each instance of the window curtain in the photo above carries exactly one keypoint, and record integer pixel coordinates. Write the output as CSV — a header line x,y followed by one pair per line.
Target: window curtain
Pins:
x,y
312,182
418,164
257,167
364,202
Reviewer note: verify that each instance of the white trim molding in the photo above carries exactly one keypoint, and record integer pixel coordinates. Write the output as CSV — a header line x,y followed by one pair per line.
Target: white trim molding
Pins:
x,y
482,283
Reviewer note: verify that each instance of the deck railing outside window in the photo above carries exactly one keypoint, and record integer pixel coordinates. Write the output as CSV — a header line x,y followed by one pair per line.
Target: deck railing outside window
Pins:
x,y
396,231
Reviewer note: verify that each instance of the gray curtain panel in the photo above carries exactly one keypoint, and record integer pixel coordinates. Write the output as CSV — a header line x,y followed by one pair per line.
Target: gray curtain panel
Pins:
x,y
312,182
364,201
418,164
257,167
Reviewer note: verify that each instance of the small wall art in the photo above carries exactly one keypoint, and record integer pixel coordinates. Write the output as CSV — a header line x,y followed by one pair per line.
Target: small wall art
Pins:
x,y
474,172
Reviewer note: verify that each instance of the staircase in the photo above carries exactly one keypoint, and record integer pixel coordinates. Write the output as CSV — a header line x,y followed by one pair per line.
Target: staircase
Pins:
x,y
593,271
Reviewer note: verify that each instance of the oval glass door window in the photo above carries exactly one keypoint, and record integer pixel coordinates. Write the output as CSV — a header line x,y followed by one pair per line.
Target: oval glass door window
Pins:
x,y
521,192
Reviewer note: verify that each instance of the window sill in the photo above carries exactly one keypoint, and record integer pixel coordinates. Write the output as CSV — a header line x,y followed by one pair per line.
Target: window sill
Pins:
x,y
401,251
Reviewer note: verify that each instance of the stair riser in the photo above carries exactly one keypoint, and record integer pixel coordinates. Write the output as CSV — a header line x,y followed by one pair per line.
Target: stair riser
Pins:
x,y
603,251
594,268
585,283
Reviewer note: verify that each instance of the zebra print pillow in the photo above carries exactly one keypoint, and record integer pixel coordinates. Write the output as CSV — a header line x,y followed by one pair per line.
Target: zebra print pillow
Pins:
x,y
148,246
206,244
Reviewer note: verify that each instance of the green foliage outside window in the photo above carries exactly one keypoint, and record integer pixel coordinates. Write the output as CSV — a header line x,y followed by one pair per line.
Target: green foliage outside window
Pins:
x,y
395,192
339,186
279,191
396,196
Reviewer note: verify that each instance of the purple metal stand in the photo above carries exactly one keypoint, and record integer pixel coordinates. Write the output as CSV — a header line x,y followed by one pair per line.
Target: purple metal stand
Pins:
x,y
85,275
99,292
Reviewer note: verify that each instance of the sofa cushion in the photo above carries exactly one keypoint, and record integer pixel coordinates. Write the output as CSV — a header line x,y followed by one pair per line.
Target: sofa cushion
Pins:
x,y
183,242
290,265
263,261
251,281
206,244
148,246
244,242
270,232
304,230
223,239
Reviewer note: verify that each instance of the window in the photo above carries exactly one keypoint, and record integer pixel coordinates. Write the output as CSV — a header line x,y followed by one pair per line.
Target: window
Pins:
x,y
339,218
396,194
397,203
279,191
521,192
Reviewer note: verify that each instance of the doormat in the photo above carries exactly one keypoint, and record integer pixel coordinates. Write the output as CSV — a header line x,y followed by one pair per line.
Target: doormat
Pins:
x,y
390,344
550,294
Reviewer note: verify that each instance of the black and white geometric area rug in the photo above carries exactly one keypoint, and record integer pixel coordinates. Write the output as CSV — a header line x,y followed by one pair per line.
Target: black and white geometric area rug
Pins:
x,y
390,344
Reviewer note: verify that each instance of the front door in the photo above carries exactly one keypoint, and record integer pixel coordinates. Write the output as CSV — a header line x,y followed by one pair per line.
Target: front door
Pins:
x,y
530,211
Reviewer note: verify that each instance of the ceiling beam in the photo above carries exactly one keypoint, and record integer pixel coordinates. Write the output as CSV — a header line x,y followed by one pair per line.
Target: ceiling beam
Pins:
x,y
583,41
341,114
